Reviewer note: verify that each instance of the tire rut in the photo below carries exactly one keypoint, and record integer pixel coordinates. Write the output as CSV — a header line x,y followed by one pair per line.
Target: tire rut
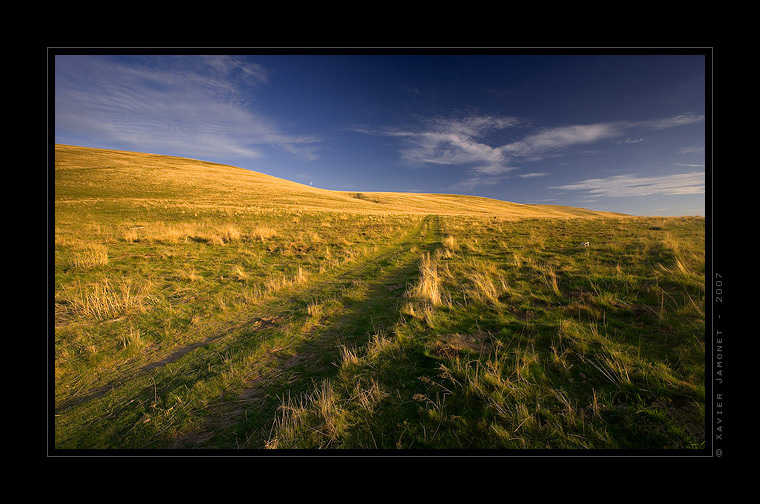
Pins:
x,y
314,356
237,337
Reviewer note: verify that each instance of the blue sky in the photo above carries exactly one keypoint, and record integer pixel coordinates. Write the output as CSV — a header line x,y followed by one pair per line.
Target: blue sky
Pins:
x,y
622,133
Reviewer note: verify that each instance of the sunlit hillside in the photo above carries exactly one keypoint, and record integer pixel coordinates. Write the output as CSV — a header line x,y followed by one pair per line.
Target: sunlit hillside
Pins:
x,y
84,173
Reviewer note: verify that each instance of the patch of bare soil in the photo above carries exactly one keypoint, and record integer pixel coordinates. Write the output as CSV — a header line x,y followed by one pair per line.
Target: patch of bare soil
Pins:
x,y
523,315
451,345
685,414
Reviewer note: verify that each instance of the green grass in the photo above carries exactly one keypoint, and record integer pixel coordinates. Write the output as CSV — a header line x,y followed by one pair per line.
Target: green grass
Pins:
x,y
225,309
573,349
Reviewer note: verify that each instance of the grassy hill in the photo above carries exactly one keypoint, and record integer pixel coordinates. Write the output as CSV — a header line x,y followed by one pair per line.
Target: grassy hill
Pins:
x,y
198,305
97,174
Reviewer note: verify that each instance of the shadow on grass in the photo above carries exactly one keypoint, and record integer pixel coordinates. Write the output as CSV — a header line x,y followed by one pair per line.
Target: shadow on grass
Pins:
x,y
252,415
144,410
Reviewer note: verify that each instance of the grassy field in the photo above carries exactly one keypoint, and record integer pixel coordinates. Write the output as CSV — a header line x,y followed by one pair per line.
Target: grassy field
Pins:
x,y
201,306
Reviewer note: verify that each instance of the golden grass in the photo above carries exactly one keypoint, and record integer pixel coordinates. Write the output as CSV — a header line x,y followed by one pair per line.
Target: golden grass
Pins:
x,y
549,276
133,339
239,273
370,395
279,281
263,233
104,299
450,243
88,255
484,288
429,286
159,232
483,280
86,176
297,418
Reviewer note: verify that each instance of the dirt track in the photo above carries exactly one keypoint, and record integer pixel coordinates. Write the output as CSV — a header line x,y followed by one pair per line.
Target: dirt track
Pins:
x,y
277,349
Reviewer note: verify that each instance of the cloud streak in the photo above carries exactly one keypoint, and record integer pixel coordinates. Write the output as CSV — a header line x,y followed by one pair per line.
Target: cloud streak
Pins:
x,y
458,142
535,174
187,104
550,140
699,149
471,183
631,185
465,142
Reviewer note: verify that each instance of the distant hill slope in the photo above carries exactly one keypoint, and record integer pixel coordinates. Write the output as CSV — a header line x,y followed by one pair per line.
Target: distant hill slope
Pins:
x,y
101,174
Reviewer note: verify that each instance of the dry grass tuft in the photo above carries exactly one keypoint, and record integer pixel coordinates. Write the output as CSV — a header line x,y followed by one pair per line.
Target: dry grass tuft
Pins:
x,y
484,281
314,420
263,233
369,396
549,275
450,243
429,286
239,273
133,340
316,310
88,255
484,288
229,233
105,300
348,356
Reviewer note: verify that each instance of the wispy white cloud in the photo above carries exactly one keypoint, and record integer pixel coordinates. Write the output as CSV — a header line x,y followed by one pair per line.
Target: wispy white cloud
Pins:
x,y
670,122
471,183
227,65
456,142
536,174
468,142
196,105
632,185
551,141
548,141
698,149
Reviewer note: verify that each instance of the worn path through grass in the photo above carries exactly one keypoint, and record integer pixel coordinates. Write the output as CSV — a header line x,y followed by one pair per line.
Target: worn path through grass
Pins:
x,y
343,313
224,391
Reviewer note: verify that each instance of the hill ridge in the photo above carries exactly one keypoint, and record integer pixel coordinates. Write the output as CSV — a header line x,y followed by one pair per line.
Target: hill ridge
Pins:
x,y
83,173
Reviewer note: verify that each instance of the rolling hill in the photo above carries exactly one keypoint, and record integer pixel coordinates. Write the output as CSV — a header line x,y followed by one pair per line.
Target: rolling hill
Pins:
x,y
88,174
